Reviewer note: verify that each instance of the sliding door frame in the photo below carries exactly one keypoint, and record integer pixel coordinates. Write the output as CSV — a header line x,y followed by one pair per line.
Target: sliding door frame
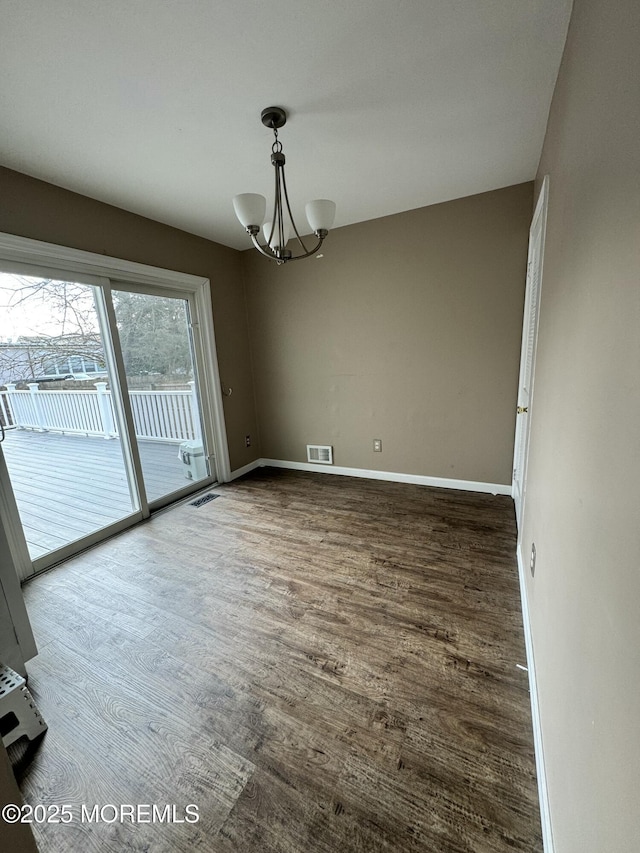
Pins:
x,y
91,268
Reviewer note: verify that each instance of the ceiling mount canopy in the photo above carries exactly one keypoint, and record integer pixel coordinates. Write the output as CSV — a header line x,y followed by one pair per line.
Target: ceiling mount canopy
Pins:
x,y
251,208
273,117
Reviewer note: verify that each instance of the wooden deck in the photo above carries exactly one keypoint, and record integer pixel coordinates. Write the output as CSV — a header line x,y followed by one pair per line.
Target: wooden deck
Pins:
x,y
68,486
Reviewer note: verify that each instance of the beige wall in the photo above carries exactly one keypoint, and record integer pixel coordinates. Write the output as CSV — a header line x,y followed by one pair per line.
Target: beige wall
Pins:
x,y
582,505
408,330
32,208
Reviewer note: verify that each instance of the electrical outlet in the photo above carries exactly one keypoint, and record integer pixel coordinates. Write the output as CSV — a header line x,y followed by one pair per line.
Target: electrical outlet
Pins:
x,y
247,441
532,561
377,445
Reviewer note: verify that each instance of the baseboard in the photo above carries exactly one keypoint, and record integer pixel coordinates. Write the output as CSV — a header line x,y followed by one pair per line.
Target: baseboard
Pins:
x,y
246,469
543,792
416,479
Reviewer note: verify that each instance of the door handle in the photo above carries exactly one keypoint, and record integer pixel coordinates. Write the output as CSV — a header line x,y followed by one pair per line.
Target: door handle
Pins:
x,y
2,430
523,410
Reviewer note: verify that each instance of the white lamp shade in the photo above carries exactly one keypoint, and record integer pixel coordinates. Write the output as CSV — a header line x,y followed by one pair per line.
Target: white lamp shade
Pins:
x,y
250,208
320,214
266,230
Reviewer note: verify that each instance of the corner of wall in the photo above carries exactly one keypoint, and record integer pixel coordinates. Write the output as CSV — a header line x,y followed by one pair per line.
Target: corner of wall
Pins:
x,y
243,278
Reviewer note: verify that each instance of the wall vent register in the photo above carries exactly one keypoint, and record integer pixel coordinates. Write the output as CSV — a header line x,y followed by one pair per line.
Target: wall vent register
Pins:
x,y
320,453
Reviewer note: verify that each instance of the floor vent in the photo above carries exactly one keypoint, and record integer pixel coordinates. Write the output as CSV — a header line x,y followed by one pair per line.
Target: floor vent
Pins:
x,y
320,453
204,499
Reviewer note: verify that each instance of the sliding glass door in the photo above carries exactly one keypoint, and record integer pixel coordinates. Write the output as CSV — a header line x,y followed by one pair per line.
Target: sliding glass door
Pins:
x,y
100,405
155,334
69,469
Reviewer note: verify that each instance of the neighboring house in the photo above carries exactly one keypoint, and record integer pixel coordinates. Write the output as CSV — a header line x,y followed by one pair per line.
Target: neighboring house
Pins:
x,y
38,359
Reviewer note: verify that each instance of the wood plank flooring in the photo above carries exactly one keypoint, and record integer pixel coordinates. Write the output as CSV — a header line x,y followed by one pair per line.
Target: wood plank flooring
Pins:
x,y
68,486
318,663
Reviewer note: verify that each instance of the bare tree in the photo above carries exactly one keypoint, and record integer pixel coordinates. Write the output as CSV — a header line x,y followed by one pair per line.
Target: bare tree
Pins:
x,y
57,321
58,324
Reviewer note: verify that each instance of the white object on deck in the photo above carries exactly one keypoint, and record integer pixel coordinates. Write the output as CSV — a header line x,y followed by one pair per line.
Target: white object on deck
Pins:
x,y
191,454
18,713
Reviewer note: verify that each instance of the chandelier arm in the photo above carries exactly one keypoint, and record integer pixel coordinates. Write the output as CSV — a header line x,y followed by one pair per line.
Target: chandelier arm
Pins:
x,y
286,198
272,256
275,209
307,254
264,250
280,247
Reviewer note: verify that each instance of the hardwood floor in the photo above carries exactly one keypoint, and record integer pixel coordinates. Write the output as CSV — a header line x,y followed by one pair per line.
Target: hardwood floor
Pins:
x,y
317,663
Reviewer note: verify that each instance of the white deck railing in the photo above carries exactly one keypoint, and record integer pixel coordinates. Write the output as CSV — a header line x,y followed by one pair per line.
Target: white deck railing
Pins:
x,y
157,415
169,415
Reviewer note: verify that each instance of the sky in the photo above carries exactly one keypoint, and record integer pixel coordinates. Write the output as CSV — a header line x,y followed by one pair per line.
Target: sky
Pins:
x,y
41,313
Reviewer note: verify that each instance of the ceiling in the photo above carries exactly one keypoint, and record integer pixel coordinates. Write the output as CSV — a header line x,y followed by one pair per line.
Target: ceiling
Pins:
x,y
154,105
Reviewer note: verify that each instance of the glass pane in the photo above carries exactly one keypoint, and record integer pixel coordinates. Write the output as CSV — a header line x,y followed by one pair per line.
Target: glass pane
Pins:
x,y
155,336
62,447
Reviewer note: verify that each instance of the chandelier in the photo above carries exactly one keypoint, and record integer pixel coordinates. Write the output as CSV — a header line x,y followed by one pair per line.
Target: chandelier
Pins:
x,y
251,208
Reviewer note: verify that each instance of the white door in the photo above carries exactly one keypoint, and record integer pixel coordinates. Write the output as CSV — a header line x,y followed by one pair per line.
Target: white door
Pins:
x,y
528,352
17,644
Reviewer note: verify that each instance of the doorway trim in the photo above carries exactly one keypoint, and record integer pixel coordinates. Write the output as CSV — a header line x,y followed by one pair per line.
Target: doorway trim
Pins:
x,y
526,379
